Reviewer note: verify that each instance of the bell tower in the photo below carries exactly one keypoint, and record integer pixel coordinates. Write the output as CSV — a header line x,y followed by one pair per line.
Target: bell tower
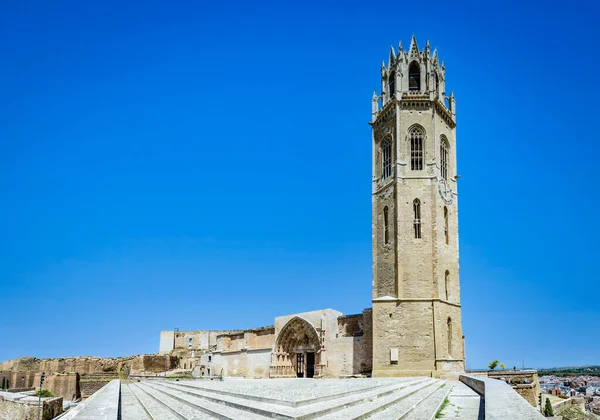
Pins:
x,y
417,326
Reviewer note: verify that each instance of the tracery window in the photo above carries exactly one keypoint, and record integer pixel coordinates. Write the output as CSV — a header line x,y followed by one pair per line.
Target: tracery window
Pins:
x,y
444,157
416,149
386,158
392,84
386,226
446,225
449,331
417,218
414,76
447,284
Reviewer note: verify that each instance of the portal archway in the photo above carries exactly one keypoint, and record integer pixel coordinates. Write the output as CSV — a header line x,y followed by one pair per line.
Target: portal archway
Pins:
x,y
297,351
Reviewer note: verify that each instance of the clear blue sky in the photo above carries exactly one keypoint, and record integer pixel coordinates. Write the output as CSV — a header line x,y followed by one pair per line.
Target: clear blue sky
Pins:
x,y
197,165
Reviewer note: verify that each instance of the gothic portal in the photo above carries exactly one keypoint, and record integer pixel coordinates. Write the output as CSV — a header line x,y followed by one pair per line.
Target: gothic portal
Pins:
x,y
417,328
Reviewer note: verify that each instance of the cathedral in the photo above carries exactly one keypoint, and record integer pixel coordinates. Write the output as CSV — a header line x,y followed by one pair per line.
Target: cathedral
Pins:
x,y
414,327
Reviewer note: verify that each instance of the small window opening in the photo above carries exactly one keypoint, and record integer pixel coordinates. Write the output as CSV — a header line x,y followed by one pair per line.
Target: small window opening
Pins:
x,y
444,158
446,225
449,336
447,283
414,77
386,226
392,84
386,152
416,149
417,218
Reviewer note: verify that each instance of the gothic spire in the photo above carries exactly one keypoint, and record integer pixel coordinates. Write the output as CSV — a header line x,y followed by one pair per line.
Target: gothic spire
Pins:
x,y
414,48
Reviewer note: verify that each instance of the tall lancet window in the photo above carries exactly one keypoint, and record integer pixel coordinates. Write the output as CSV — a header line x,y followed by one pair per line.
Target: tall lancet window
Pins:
x,y
386,226
392,84
414,76
447,284
446,225
386,159
416,149
449,328
417,218
444,157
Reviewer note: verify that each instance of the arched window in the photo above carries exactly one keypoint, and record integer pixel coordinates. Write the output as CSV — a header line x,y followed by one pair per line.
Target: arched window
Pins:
x,y
446,224
386,159
417,218
416,149
449,328
392,84
447,283
437,82
414,76
386,226
444,157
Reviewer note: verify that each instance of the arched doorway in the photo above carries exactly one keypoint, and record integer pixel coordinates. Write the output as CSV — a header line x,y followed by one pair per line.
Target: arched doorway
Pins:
x,y
297,351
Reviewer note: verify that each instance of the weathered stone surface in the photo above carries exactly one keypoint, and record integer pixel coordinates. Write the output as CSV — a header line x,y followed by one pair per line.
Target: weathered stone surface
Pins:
x,y
65,385
17,406
416,292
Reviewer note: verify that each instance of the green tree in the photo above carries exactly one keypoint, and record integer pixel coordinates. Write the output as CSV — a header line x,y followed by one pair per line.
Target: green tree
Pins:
x,y
43,393
548,411
492,365
502,366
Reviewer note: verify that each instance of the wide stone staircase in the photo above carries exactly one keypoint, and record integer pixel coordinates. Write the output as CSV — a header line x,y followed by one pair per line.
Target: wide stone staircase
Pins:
x,y
405,398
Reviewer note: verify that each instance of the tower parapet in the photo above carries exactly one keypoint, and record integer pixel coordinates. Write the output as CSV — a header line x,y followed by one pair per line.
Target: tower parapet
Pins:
x,y
412,74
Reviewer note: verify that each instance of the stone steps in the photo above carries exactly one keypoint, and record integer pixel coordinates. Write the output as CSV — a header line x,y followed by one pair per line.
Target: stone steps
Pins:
x,y
402,398
156,408
413,405
284,411
374,406
131,406
427,408
194,408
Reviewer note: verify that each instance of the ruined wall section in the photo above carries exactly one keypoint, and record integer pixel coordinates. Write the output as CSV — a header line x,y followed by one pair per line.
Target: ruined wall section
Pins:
x,y
350,353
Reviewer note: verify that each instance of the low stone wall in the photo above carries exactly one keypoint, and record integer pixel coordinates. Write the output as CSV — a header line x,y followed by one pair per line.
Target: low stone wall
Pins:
x,y
92,382
65,385
25,407
501,400
104,404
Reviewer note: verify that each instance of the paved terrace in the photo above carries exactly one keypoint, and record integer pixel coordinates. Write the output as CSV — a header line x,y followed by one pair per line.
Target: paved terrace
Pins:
x,y
416,398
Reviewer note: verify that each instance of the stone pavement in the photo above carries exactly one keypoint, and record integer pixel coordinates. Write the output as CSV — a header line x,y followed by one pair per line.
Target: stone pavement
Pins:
x,y
463,403
416,398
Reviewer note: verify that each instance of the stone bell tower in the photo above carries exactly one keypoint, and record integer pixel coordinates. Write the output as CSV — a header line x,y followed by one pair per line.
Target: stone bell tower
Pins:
x,y
417,326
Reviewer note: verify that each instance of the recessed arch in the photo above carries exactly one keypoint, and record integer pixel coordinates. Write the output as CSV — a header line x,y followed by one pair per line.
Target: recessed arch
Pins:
x,y
299,346
444,155
386,157
416,135
414,76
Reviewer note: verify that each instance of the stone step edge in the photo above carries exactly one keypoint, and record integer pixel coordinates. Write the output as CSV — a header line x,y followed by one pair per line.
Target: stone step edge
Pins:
x,y
158,401
136,398
216,411
445,395
339,405
288,403
369,412
410,410
416,384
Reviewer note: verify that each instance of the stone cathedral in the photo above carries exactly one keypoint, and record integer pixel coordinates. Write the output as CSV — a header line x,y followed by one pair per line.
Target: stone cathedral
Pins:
x,y
414,326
